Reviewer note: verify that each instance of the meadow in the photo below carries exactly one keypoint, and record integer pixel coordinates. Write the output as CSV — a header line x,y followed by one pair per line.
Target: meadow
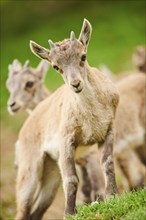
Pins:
x,y
129,206
118,27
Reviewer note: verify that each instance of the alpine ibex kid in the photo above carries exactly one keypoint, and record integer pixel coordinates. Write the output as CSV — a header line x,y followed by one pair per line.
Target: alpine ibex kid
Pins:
x,y
81,112
26,86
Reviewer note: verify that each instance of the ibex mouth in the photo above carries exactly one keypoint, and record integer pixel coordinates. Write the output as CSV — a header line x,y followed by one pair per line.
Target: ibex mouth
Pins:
x,y
78,90
13,110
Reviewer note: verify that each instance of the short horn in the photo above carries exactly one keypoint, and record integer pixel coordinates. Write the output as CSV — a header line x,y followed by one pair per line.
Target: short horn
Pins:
x,y
27,63
52,45
72,36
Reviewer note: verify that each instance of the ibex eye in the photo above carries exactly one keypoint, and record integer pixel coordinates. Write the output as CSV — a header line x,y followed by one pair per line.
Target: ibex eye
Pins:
x,y
56,67
29,84
83,58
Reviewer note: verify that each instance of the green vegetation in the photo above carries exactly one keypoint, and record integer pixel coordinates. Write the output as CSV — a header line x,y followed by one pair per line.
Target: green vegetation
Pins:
x,y
118,26
129,206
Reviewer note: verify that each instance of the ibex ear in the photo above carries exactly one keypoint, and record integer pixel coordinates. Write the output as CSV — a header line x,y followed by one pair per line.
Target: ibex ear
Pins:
x,y
42,69
85,33
15,66
39,51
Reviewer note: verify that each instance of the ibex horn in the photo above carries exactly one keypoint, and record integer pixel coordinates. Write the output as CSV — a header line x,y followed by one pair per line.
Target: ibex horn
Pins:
x,y
72,36
52,45
27,63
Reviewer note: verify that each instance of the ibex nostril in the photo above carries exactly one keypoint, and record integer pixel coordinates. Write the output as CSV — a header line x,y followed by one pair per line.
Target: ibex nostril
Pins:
x,y
76,85
11,105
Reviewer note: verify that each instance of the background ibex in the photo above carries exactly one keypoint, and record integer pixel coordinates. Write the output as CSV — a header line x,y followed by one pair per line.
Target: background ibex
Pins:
x,y
26,86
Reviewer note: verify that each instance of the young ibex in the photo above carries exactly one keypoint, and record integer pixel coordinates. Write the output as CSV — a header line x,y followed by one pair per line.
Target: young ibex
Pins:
x,y
26,86
81,112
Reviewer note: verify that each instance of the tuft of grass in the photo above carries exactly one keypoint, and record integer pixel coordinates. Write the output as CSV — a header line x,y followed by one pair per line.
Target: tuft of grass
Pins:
x,y
129,206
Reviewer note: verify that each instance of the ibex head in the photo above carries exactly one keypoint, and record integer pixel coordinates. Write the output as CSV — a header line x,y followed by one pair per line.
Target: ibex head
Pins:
x,y
68,57
25,85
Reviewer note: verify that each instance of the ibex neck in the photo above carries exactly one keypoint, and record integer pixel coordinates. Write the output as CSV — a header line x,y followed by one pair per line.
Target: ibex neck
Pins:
x,y
94,78
40,96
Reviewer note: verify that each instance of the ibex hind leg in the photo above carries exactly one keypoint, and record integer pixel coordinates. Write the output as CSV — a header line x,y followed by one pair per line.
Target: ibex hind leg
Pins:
x,y
96,176
108,164
26,185
48,188
132,168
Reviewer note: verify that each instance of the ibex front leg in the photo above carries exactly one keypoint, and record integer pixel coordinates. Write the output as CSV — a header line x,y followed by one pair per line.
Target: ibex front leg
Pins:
x,y
108,164
69,177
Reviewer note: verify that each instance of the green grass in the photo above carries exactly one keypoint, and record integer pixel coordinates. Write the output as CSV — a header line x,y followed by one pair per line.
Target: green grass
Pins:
x,y
129,206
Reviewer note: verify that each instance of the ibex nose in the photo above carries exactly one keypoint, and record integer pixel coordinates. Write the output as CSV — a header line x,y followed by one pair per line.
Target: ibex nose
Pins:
x,y
12,104
76,84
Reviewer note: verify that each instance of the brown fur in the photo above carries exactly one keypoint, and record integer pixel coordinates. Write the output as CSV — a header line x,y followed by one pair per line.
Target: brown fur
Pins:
x,y
81,112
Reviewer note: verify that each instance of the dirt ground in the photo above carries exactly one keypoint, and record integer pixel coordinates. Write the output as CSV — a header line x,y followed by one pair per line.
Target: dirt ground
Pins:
x,y
7,183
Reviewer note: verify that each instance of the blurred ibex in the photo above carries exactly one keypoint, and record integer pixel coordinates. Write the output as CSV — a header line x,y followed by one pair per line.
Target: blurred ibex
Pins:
x,y
26,86
139,58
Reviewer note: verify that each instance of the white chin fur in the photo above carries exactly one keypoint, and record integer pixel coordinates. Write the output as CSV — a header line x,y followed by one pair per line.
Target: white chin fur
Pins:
x,y
10,111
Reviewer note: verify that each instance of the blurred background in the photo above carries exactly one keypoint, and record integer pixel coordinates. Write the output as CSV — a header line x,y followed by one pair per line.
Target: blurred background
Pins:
x,y
118,27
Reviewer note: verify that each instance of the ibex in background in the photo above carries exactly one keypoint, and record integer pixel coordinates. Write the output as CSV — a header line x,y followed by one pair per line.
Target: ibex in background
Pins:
x,y
139,58
81,112
26,86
